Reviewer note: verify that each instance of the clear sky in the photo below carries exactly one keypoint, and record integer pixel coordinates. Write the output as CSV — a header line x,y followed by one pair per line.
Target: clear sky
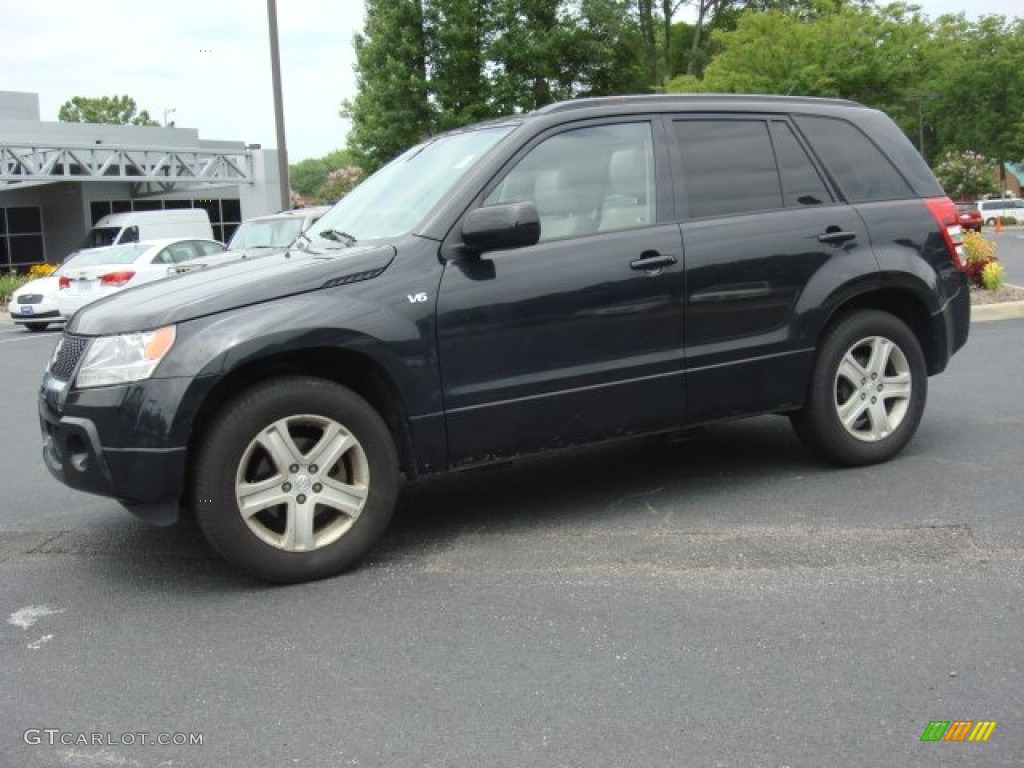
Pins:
x,y
209,60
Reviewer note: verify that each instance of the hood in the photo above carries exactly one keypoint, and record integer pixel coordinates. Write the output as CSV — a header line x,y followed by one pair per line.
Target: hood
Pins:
x,y
47,286
217,289
226,257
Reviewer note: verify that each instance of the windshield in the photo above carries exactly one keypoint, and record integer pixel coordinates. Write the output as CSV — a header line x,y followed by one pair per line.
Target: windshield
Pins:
x,y
266,233
100,236
115,254
397,197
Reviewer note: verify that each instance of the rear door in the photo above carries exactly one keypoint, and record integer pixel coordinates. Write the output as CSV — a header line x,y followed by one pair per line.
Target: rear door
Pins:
x,y
580,336
765,240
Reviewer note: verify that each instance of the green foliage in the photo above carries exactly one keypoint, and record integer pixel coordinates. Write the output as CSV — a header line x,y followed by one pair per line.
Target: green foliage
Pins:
x,y
992,276
391,110
977,78
338,183
308,175
425,66
429,65
850,52
115,110
9,283
965,175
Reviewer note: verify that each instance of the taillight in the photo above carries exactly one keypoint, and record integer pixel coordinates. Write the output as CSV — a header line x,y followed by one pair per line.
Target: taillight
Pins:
x,y
64,282
944,212
117,279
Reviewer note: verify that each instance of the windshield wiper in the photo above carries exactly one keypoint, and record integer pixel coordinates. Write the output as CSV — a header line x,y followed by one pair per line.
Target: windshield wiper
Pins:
x,y
337,236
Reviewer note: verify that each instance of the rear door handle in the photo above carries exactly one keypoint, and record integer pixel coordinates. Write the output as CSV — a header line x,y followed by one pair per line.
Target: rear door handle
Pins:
x,y
652,260
836,236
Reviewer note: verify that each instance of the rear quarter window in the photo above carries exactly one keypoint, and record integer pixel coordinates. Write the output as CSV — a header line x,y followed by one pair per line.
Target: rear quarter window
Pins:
x,y
859,168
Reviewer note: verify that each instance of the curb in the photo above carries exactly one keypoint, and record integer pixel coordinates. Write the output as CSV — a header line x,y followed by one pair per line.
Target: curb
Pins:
x,y
987,313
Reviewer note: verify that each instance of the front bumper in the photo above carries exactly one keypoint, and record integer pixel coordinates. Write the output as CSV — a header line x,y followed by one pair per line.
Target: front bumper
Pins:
x,y
51,316
82,447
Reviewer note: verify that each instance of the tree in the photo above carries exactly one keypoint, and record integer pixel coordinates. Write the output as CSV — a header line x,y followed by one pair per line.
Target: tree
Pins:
x,y
115,110
307,175
457,32
875,56
338,183
965,175
980,106
390,111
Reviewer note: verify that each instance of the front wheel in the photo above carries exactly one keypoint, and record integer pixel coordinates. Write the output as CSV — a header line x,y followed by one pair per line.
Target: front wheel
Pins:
x,y
867,391
296,480
36,327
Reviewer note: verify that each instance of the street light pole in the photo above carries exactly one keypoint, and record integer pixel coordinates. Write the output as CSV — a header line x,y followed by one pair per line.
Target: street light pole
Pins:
x,y
275,66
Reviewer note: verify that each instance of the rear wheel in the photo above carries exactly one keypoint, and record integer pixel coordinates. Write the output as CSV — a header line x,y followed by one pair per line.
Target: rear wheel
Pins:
x,y
296,480
867,391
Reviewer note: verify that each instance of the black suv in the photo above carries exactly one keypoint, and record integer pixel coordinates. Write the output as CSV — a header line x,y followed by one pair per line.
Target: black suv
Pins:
x,y
592,270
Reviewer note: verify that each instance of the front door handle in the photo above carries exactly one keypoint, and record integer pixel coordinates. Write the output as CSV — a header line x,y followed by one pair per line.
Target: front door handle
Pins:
x,y
836,236
652,260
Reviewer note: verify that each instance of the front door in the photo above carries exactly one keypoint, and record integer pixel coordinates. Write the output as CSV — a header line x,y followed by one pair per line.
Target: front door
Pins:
x,y
580,336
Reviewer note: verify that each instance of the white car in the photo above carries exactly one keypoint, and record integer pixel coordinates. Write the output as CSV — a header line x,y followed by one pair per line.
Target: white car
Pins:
x,y
101,272
1001,207
263,236
34,305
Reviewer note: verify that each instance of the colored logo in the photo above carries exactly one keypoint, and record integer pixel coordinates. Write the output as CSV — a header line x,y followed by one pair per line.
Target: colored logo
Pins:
x,y
958,730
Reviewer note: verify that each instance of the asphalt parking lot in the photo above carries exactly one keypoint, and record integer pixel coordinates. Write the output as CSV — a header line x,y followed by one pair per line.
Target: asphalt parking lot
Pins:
x,y
723,600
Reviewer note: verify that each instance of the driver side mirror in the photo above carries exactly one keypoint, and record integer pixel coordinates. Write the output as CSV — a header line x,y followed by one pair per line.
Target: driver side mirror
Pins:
x,y
498,227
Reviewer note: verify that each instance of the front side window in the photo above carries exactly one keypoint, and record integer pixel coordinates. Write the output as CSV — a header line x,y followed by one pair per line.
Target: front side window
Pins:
x,y
586,180
728,166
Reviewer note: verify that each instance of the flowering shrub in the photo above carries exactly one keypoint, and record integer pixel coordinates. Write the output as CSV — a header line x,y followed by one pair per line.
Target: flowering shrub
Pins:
x,y
965,175
41,270
981,253
992,276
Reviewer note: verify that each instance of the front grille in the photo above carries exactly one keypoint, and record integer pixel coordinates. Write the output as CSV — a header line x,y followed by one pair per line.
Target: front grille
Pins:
x,y
30,298
66,356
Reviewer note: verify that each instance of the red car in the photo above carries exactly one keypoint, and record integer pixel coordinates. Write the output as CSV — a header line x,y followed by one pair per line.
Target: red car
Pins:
x,y
969,215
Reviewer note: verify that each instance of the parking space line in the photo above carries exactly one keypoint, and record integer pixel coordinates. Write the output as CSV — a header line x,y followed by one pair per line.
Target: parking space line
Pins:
x,y
32,337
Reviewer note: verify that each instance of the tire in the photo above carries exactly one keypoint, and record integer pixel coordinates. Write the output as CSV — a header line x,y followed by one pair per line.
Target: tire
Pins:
x,y
867,391
263,452
990,222
36,327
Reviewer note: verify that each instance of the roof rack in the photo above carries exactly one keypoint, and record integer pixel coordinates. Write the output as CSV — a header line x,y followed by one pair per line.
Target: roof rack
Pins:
x,y
686,98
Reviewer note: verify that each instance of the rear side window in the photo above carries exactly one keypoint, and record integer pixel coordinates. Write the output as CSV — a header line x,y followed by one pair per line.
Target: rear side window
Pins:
x,y
801,184
860,169
728,166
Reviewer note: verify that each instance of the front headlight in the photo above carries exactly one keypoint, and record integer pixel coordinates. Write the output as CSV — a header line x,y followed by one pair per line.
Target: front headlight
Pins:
x,y
125,357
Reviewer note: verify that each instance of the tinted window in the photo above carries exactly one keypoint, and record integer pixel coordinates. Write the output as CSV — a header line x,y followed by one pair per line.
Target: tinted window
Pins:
x,y
728,166
586,180
860,169
801,184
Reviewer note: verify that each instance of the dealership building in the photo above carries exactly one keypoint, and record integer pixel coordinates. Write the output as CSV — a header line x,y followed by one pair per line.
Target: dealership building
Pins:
x,y
57,179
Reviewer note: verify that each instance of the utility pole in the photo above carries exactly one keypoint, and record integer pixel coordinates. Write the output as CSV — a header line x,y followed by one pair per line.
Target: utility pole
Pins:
x,y
275,66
